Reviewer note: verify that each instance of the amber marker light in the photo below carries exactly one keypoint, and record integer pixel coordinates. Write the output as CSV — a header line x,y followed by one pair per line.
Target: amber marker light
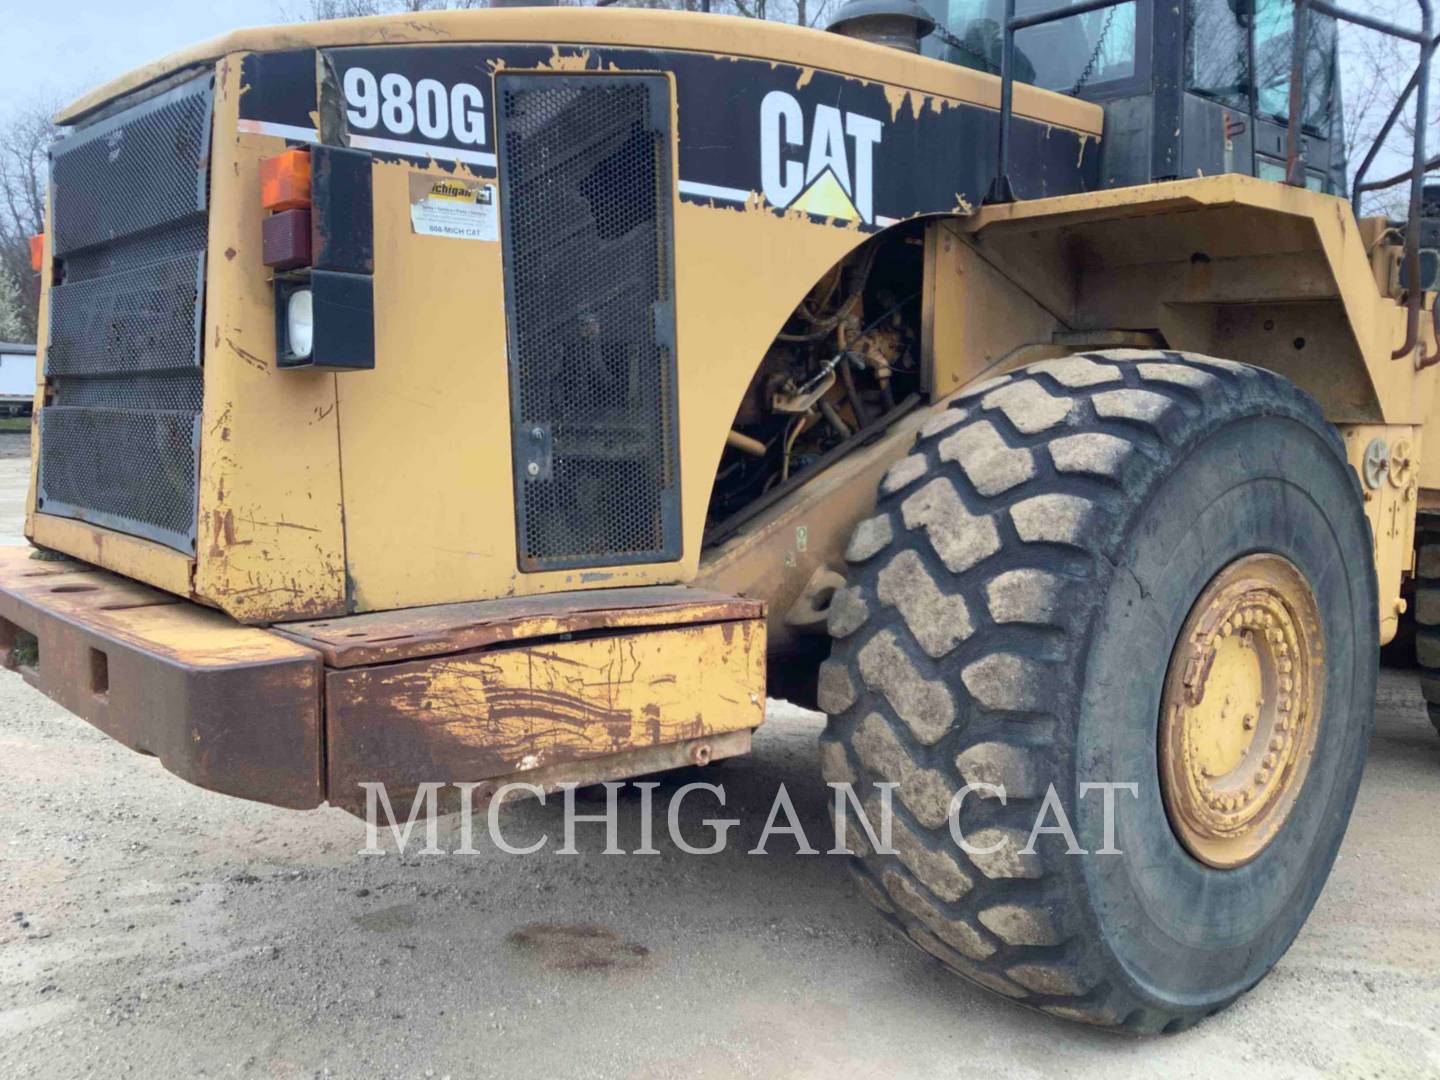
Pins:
x,y
285,181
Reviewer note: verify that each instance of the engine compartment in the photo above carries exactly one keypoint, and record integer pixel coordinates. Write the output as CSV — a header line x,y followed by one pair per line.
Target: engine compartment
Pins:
x,y
846,364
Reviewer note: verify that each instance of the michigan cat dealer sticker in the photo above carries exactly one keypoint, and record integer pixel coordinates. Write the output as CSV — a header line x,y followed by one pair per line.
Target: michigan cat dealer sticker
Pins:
x,y
458,208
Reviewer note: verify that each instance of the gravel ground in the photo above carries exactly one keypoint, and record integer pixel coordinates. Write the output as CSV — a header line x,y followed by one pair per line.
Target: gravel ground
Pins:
x,y
14,484
148,928
14,444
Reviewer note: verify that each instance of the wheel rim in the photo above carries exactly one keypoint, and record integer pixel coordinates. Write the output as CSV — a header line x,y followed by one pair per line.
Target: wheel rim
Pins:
x,y
1241,710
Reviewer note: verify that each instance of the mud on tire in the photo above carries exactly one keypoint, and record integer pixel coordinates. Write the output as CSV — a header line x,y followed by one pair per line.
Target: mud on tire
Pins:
x,y
1010,614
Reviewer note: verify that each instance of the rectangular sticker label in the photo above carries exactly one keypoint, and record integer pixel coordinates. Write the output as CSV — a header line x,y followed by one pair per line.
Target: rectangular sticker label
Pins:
x,y
460,208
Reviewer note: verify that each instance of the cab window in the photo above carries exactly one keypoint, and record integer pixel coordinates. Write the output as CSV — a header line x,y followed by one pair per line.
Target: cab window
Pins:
x,y
1216,61
1274,37
1068,55
1217,65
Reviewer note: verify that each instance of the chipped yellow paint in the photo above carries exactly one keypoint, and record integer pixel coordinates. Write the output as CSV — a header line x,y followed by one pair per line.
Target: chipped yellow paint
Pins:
x,y
899,97
803,80
309,502
123,610
438,496
140,559
270,523
560,61
895,98
516,709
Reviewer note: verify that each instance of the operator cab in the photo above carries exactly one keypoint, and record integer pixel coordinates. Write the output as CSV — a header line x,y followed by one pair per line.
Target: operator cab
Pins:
x,y
1194,89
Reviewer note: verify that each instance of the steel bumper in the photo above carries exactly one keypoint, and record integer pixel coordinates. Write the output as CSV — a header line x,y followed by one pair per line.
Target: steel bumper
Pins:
x,y
574,687
231,708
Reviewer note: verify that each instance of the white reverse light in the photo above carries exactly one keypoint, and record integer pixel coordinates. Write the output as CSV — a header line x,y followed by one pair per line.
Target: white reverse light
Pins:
x,y
300,323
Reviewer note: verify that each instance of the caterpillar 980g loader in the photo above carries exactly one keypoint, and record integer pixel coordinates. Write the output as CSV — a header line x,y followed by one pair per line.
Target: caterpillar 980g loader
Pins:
x,y
525,393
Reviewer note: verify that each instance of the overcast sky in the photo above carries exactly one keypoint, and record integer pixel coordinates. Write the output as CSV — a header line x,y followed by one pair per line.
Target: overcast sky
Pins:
x,y
61,49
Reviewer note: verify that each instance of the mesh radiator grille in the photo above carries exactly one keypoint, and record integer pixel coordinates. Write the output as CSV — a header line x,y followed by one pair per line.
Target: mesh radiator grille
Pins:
x,y
118,438
585,198
91,461
139,170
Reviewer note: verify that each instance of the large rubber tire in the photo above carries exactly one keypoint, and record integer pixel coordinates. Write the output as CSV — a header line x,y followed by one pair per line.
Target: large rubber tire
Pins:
x,y
1011,612
1427,612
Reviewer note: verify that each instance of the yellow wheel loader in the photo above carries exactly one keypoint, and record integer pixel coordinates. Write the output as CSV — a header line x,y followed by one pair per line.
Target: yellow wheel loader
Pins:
x,y
524,394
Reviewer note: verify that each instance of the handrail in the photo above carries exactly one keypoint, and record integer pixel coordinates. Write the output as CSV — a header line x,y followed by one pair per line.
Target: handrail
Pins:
x,y
1358,187
1391,181
1002,190
1419,85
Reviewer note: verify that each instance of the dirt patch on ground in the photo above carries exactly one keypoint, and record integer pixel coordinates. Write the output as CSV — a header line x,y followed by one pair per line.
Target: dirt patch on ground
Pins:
x,y
577,947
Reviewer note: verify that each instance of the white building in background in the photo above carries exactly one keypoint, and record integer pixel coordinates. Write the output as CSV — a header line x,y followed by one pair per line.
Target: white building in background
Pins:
x,y
17,378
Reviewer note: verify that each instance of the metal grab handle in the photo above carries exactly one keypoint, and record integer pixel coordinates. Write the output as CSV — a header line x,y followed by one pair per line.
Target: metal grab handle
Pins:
x,y
1432,358
1001,190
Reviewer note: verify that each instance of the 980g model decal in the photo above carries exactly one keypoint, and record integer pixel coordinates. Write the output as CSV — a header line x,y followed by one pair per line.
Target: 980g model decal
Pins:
x,y
794,140
397,111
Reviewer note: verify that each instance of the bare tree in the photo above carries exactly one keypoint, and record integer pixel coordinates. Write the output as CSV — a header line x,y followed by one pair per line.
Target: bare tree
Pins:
x,y
24,141
12,312
323,10
799,12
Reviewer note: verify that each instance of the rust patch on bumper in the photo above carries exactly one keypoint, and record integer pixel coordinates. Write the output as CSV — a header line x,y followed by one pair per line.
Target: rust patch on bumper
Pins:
x,y
510,712
384,636
227,707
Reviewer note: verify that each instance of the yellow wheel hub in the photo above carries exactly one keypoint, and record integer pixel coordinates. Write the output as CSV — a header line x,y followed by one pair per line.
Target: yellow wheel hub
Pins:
x,y
1242,706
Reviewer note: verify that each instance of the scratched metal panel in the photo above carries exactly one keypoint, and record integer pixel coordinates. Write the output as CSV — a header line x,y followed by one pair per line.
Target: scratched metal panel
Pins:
x,y
497,712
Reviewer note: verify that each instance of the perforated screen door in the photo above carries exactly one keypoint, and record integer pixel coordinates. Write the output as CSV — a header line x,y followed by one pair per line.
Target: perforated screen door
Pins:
x,y
586,196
